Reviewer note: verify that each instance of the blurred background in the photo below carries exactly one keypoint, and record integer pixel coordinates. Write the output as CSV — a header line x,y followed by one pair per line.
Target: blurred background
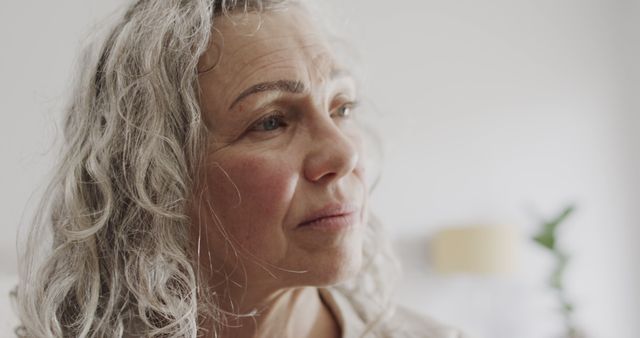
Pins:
x,y
495,115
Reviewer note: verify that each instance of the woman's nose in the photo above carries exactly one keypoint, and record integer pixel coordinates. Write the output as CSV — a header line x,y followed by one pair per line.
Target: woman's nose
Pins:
x,y
332,152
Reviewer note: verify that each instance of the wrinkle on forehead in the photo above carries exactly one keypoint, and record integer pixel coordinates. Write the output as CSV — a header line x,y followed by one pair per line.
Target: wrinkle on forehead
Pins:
x,y
286,47
259,31
225,58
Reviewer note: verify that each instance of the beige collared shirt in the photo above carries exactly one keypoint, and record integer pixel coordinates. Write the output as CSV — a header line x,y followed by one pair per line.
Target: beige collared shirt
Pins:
x,y
406,324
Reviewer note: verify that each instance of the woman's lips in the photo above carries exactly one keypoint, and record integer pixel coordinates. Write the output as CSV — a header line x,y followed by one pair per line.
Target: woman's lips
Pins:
x,y
332,217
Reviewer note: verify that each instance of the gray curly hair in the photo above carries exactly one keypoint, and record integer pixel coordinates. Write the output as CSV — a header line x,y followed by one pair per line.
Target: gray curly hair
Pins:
x,y
120,260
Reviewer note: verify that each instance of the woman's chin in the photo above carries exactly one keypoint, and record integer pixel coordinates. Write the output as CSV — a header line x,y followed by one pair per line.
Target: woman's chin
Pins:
x,y
342,268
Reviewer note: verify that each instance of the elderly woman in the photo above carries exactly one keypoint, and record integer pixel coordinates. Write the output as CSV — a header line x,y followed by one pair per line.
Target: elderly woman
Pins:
x,y
212,185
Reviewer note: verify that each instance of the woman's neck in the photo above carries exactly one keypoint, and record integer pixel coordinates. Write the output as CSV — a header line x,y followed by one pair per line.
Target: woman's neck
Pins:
x,y
292,313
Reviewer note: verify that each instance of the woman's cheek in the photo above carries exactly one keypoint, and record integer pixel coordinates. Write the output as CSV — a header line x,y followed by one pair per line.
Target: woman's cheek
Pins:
x,y
253,195
356,136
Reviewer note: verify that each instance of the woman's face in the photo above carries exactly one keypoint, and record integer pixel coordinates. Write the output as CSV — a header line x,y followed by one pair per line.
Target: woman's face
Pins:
x,y
283,148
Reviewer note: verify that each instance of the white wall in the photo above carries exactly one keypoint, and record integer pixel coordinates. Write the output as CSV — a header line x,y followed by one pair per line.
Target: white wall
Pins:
x,y
493,111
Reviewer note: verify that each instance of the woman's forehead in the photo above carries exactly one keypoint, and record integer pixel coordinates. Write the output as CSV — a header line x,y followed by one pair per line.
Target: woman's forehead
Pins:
x,y
272,46
243,37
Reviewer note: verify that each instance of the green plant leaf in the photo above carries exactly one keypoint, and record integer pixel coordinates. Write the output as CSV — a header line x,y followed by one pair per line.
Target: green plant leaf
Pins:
x,y
546,240
558,272
568,307
547,237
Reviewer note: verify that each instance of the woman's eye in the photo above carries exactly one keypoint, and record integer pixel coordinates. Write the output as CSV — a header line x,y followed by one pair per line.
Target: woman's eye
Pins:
x,y
345,110
269,123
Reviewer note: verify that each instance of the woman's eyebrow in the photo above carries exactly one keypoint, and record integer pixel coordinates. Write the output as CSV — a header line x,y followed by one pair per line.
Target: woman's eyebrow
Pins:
x,y
289,86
